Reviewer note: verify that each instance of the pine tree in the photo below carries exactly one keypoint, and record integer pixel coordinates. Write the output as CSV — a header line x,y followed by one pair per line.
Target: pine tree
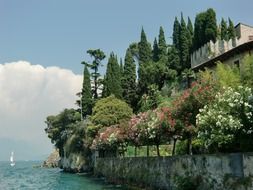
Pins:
x,y
112,81
98,56
86,95
129,80
162,45
176,33
155,51
224,32
184,45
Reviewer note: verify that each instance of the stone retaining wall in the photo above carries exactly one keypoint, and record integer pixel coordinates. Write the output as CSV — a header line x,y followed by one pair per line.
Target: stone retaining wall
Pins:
x,y
216,172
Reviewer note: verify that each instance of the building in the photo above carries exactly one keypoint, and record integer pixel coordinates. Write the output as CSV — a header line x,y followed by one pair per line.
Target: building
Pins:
x,y
228,52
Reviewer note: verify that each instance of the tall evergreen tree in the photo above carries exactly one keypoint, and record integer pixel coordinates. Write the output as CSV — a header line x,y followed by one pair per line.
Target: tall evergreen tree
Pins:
x,y
162,44
205,28
184,45
210,26
86,95
98,56
155,51
199,30
176,33
145,63
112,81
190,33
145,52
129,80
231,30
121,68
223,32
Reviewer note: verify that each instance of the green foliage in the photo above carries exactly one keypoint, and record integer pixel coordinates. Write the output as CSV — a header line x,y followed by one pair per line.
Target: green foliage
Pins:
x,y
144,47
188,182
110,111
98,56
227,76
224,30
210,26
145,64
86,98
247,71
190,34
205,28
112,81
176,33
129,80
162,45
60,127
155,51
174,59
184,45
151,100
231,30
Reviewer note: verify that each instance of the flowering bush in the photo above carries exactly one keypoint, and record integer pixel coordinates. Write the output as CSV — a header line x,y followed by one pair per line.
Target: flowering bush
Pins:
x,y
227,118
109,138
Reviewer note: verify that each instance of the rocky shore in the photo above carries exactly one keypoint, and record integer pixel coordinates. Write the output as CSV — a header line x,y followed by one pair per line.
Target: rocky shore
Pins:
x,y
52,160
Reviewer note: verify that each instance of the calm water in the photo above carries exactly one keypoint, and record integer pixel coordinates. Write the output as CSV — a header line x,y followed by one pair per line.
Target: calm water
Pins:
x,y
24,177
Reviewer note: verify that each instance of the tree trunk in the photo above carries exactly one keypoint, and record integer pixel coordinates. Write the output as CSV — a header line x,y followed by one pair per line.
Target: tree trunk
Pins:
x,y
157,149
147,150
135,151
189,145
174,147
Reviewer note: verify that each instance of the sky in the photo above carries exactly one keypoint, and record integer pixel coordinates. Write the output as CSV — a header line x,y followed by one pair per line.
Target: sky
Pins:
x,y
42,44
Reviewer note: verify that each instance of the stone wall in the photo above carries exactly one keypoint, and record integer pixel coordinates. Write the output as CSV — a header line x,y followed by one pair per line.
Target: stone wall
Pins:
x,y
216,172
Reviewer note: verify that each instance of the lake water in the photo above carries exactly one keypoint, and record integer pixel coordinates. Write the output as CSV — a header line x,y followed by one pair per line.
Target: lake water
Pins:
x,y
24,177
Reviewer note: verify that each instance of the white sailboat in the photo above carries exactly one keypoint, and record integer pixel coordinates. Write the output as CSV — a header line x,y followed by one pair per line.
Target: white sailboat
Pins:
x,y
12,159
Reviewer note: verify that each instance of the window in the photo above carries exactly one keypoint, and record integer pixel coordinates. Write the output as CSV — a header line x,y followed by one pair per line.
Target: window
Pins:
x,y
237,63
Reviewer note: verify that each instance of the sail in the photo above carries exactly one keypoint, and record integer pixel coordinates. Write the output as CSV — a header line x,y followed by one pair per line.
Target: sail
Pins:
x,y
12,157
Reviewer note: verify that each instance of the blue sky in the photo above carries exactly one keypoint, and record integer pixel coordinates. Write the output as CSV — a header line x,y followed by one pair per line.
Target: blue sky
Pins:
x,y
42,44
58,32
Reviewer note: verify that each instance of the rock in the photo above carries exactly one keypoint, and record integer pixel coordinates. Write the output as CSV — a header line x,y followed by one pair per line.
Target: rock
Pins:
x,y
52,160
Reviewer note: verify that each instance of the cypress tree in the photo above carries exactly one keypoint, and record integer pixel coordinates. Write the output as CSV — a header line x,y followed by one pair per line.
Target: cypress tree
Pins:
x,y
184,45
210,26
86,95
190,33
223,32
231,30
199,31
145,55
129,80
145,52
162,44
155,51
112,81
205,28
176,33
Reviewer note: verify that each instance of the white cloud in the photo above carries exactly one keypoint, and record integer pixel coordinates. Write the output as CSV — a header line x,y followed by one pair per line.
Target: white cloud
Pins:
x,y
28,94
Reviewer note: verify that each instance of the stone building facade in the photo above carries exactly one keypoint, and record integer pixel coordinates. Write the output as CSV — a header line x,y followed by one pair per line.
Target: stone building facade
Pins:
x,y
228,52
